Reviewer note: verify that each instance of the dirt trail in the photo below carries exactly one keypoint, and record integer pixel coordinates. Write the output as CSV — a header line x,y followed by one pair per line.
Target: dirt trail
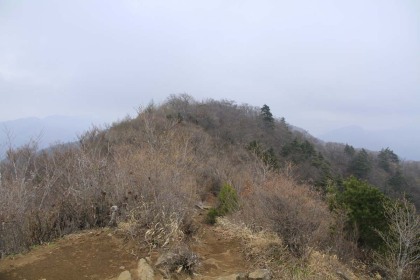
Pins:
x,y
92,255
100,254
221,255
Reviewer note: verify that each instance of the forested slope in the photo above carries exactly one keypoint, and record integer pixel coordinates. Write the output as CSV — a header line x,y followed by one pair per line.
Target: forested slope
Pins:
x,y
255,168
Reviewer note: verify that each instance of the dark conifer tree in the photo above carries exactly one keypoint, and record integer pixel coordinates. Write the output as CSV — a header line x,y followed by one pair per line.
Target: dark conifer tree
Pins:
x,y
267,116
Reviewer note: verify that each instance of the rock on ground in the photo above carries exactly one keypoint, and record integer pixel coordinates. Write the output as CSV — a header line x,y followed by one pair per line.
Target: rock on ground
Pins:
x,y
144,270
260,274
125,275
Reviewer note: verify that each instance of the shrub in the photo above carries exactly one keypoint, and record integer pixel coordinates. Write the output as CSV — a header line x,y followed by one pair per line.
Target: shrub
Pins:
x,y
365,208
294,211
401,242
179,259
212,214
228,200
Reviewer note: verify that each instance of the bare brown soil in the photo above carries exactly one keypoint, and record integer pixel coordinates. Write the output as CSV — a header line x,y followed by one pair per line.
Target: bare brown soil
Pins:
x,y
220,254
92,255
101,254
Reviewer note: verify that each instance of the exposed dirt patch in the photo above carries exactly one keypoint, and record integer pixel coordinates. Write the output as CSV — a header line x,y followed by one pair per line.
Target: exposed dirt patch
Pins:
x,y
97,254
102,254
220,254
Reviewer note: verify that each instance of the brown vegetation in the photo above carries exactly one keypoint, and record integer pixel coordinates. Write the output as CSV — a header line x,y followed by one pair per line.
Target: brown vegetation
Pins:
x,y
156,166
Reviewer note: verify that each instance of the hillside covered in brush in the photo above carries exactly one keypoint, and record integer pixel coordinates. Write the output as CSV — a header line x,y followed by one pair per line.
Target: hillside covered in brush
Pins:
x,y
263,173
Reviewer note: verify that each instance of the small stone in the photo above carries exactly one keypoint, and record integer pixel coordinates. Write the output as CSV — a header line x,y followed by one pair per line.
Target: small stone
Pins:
x,y
144,270
122,267
260,274
125,275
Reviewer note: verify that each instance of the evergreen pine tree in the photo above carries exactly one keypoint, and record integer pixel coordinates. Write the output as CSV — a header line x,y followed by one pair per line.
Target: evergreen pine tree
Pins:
x,y
267,117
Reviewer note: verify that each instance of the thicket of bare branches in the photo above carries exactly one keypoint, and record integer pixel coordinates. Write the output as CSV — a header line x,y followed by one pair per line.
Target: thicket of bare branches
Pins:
x,y
155,167
401,258
295,211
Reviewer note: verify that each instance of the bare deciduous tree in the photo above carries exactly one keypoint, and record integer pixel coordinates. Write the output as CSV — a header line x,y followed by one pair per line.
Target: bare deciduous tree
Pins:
x,y
402,240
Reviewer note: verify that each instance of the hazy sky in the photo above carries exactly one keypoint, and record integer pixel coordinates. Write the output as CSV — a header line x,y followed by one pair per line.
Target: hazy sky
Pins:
x,y
320,64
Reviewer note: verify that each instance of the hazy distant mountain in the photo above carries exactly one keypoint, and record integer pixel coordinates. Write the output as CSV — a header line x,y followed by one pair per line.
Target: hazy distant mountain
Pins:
x,y
54,129
47,131
405,142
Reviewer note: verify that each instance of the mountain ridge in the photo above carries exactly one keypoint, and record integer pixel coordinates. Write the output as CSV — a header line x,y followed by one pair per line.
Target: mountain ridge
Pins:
x,y
404,140
61,129
262,174
43,131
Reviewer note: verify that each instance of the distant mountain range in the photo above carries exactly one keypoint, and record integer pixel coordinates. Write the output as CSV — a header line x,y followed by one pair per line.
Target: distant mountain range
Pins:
x,y
46,131
405,142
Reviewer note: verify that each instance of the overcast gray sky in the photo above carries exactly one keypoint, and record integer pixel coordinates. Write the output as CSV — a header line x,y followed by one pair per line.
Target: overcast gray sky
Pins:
x,y
320,64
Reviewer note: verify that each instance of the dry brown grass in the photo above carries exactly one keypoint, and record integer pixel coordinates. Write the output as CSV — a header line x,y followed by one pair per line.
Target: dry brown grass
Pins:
x,y
47,195
155,167
261,247
294,211
266,249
